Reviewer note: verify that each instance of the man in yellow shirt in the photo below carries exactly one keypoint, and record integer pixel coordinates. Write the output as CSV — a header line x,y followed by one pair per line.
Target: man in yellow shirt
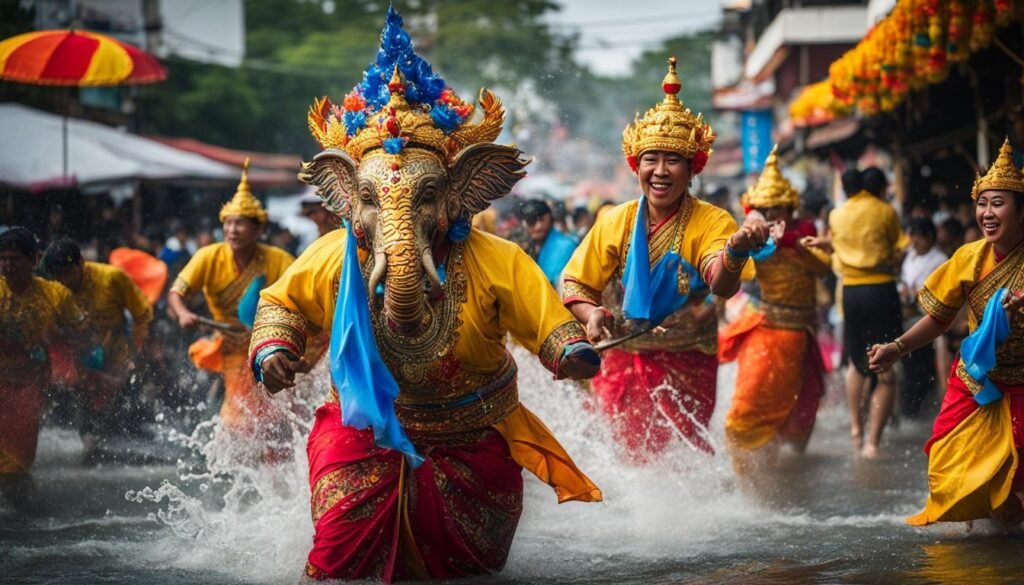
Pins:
x,y
865,234
105,293
230,274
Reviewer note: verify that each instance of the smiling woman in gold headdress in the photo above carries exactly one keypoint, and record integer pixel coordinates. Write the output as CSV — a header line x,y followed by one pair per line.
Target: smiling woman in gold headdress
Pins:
x,y
224,272
664,252
780,375
974,466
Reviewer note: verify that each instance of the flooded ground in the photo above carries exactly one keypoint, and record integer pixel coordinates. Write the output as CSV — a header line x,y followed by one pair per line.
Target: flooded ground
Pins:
x,y
825,517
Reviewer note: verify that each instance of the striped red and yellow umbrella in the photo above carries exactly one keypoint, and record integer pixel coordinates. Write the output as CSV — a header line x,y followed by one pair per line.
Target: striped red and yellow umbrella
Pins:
x,y
76,58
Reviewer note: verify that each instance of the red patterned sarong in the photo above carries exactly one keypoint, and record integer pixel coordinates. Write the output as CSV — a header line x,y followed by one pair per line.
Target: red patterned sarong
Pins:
x,y
375,517
652,396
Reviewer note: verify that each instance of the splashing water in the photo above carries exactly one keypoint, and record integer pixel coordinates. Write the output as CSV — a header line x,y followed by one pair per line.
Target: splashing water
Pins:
x,y
218,516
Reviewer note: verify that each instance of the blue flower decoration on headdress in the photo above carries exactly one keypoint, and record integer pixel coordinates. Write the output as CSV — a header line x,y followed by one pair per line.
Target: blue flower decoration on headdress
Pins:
x,y
422,86
354,122
446,118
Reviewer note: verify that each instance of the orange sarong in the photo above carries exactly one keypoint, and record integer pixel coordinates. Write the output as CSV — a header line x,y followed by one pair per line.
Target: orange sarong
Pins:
x,y
778,384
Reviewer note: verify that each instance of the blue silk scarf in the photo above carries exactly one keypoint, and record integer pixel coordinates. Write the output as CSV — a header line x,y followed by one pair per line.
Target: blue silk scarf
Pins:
x,y
652,294
978,350
366,387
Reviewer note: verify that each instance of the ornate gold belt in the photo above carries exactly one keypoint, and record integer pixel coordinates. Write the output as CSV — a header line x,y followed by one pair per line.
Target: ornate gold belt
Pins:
x,y
480,408
789,317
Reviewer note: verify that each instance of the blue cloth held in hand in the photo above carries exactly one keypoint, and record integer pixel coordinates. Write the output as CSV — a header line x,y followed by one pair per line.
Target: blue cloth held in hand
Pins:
x,y
978,350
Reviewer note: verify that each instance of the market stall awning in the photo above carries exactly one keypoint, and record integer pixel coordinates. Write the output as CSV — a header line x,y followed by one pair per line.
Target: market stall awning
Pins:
x,y
98,155
266,170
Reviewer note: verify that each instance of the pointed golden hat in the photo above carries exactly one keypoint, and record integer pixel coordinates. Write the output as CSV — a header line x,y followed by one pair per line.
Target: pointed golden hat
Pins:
x,y
1003,175
669,126
771,188
243,203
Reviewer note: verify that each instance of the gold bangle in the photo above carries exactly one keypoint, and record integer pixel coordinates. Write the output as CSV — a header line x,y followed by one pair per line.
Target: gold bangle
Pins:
x,y
732,263
901,347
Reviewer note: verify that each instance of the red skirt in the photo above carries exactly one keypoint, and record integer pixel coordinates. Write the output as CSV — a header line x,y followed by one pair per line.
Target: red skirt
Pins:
x,y
652,396
375,517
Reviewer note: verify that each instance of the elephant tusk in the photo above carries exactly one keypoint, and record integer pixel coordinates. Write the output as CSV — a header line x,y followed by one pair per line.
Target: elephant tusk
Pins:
x,y
431,270
380,266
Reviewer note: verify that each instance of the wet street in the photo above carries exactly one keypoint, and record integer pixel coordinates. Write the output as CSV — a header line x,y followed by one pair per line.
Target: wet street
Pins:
x,y
825,517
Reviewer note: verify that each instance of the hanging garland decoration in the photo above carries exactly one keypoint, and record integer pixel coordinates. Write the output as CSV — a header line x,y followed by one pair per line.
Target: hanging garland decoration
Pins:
x,y
911,48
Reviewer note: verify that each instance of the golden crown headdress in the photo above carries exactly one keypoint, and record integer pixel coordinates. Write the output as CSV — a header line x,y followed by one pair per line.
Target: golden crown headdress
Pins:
x,y
244,203
772,189
1003,175
401,103
671,127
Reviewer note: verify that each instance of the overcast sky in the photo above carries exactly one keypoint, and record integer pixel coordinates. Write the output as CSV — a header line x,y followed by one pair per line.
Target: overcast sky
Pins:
x,y
614,32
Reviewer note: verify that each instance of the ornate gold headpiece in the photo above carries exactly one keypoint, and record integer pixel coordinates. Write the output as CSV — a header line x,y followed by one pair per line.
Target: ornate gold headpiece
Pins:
x,y
401,104
671,127
1003,175
772,188
243,203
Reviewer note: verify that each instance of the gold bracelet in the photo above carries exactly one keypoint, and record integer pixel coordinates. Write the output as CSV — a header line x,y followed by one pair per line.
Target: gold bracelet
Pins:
x,y
901,347
731,263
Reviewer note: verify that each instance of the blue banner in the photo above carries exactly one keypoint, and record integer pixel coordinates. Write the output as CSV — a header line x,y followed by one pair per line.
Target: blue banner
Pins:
x,y
755,138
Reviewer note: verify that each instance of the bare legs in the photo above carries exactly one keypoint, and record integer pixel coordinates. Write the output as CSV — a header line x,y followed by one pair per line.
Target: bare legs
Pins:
x,y
879,409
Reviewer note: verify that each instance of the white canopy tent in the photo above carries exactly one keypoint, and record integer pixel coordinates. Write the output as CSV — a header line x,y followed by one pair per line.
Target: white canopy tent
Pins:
x,y
98,156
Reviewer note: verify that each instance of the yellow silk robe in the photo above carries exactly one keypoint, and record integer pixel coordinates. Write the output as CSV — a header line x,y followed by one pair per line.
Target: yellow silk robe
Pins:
x,y
213,271
29,322
492,289
698,232
971,469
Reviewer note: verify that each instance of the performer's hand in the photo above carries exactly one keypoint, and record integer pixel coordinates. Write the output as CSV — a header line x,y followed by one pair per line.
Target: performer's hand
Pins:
x,y
820,242
279,371
752,235
882,356
598,325
188,320
1013,301
581,362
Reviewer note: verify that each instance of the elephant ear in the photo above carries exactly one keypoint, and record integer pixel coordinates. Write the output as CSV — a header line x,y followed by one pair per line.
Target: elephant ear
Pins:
x,y
333,173
481,173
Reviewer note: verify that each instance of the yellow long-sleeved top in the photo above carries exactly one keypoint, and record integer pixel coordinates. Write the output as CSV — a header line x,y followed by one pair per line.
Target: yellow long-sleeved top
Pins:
x,y
866,239
105,294
213,271
492,289
699,231
31,320
972,276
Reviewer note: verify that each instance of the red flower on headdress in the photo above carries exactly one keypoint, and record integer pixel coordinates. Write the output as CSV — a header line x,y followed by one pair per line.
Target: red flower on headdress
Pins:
x,y
631,159
699,160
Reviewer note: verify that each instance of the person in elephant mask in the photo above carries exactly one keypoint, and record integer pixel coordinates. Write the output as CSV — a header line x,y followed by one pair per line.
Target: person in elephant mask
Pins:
x,y
415,459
